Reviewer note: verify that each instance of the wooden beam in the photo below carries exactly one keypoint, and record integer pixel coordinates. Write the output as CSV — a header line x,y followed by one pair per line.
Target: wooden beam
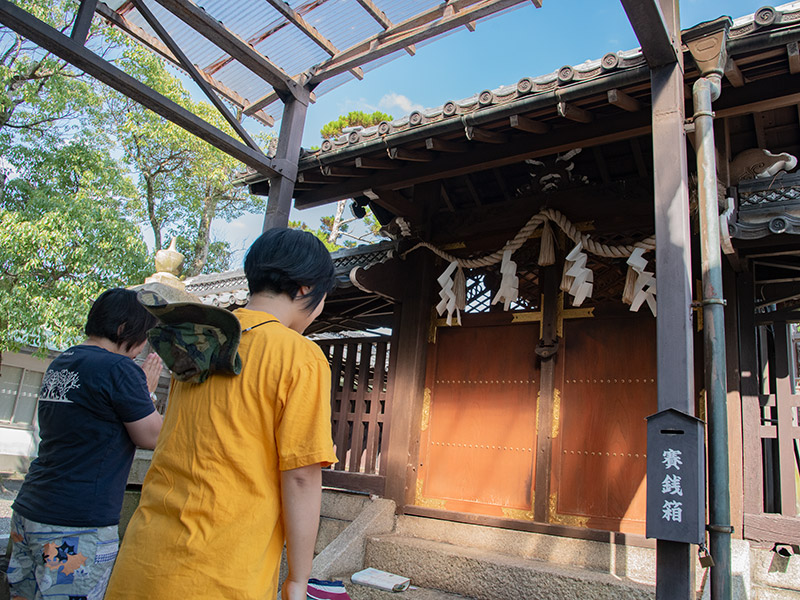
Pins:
x,y
793,53
476,134
412,155
424,26
622,100
309,30
381,18
658,44
472,191
395,203
193,72
446,197
574,113
76,54
287,154
501,183
733,73
761,135
363,162
314,176
227,41
638,158
604,131
140,35
331,171
83,21
440,145
526,124
600,160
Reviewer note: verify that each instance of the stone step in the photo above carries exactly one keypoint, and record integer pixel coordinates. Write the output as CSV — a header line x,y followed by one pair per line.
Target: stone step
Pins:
x,y
634,562
346,506
362,592
487,575
329,530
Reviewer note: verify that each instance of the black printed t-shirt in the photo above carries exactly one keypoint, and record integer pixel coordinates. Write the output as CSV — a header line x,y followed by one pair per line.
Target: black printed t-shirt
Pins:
x,y
85,453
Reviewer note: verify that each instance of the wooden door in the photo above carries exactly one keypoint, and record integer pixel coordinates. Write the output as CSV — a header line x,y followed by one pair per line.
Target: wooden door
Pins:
x,y
478,438
606,384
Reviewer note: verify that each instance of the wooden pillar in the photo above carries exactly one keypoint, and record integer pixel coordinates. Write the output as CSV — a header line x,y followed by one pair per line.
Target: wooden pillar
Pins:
x,y
736,467
750,391
281,188
544,435
785,412
674,561
410,342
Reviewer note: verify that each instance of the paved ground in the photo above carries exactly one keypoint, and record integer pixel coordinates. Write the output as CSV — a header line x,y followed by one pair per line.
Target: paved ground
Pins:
x,y
9,487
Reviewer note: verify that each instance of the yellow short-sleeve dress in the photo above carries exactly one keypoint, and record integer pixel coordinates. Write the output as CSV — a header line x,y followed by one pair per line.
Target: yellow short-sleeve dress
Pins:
x,y
209,520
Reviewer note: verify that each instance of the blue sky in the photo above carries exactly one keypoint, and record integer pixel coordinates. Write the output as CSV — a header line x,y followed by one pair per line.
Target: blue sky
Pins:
x,y
524,42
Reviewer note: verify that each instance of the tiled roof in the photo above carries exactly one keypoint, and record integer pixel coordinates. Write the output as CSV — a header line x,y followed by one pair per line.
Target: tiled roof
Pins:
x,y
614,62
230,288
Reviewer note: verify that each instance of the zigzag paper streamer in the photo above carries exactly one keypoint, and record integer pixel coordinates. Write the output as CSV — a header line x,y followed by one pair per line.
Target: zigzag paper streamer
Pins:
x,y
583,278
447,294
509,284
645,287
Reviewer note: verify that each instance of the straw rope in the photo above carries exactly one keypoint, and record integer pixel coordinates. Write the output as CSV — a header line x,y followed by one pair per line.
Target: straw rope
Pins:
x,y
547,214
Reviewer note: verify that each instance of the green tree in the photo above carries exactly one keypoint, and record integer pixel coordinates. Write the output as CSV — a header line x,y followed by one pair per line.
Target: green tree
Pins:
x,y
184,182
352,119
63,240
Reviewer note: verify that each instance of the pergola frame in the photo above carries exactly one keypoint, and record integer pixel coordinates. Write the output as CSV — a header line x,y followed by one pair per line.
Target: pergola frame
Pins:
x,y
656,24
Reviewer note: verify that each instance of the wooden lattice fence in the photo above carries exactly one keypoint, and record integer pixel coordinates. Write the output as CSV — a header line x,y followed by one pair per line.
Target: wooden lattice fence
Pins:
x,y
360,396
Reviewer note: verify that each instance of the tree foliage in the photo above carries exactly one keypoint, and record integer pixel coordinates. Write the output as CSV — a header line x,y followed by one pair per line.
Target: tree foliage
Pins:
x,y
63,240
353,119
84,170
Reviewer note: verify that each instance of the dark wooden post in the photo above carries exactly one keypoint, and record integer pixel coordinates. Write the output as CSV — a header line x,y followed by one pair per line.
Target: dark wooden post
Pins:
x,y
544,439
281,187
785,409
674,561
410,345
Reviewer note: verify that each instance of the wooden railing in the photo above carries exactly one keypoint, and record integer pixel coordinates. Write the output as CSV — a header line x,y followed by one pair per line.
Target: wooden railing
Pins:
x,y
360,396
771,437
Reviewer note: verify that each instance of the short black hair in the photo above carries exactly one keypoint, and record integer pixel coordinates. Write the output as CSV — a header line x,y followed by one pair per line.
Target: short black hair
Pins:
x,y
282,260
117,316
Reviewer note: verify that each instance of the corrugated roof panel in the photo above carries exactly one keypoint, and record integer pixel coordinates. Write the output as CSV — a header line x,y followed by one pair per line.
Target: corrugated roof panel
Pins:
x,y
292,50
399,10
242,80
343,22
199,50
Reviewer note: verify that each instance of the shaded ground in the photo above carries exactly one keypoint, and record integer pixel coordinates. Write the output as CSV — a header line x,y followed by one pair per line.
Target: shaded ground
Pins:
x,y
9,486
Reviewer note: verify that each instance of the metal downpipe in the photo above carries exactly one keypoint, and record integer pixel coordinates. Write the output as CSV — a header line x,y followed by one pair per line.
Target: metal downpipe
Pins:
x,y
704,92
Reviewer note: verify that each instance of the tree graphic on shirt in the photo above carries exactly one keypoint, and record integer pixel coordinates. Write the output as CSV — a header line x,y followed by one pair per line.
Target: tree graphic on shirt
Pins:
x,y
56,384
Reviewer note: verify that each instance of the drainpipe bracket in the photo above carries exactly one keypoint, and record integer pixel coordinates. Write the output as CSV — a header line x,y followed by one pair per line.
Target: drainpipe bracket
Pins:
x,y
707,301
720,528
704,113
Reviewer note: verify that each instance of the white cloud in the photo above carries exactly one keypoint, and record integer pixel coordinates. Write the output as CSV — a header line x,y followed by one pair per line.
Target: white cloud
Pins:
x,y
399,101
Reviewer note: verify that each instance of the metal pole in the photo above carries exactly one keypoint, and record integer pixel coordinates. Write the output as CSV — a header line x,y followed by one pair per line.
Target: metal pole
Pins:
x,y
704,92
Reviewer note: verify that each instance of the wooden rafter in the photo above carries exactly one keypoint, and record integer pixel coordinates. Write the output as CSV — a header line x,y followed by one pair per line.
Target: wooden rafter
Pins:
x,y
159,48
80,30
363,162
377,14
230,43
529,125
424,26
60,45
574,113
622,100
733,73
194,73
295,19
658,46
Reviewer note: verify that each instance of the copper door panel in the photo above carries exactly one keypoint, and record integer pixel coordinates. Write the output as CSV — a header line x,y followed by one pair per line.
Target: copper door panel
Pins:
x,y
479,445
608,388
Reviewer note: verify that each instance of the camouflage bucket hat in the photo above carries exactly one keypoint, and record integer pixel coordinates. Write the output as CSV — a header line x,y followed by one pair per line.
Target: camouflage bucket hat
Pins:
x,y
193,339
